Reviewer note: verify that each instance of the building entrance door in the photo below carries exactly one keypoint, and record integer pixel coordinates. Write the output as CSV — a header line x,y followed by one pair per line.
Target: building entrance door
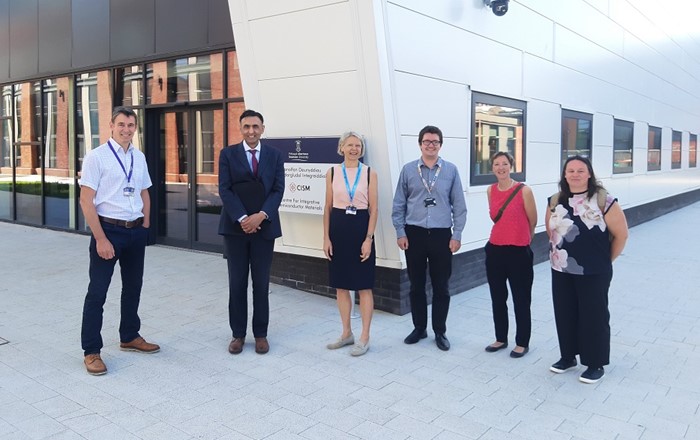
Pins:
x,y
188,203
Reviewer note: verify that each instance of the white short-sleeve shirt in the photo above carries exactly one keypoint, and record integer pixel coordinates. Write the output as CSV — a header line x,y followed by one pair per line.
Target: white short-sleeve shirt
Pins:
x,y
101,172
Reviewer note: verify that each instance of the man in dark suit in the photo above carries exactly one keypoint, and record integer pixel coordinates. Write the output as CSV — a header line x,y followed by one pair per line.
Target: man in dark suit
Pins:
x,y
251,185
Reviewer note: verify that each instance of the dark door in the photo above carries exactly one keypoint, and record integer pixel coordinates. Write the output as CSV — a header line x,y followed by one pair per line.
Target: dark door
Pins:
x,y
188,203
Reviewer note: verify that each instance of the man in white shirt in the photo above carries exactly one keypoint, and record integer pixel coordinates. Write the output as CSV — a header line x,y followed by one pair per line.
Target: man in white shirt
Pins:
x,y
115,202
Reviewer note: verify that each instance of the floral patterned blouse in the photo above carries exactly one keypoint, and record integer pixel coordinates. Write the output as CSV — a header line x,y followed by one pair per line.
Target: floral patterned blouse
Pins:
x,y
579,242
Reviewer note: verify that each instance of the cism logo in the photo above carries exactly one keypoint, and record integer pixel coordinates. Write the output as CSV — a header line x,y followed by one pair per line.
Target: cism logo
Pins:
x,y
293,187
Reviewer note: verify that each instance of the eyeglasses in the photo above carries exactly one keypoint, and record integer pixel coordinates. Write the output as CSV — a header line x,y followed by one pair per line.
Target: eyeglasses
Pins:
x,y
429,143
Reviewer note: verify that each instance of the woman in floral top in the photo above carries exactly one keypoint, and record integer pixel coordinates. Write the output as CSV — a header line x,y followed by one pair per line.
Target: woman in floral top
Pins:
x,y
587,231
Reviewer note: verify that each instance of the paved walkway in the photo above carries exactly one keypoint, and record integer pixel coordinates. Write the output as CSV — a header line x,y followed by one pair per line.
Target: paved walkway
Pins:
x,y
194,389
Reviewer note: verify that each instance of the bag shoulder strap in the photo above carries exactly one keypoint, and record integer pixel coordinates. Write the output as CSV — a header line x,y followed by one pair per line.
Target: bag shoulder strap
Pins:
x,y
554,201
332,172
601,197
508,200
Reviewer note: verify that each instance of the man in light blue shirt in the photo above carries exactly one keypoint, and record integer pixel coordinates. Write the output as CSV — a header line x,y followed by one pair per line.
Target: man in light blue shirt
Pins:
x,y
429,214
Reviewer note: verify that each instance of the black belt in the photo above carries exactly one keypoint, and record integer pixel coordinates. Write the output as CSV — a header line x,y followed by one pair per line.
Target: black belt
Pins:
x,y
123,223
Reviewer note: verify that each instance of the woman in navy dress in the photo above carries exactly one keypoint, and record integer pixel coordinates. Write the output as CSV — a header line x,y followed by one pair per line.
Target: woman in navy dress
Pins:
x,y
349,220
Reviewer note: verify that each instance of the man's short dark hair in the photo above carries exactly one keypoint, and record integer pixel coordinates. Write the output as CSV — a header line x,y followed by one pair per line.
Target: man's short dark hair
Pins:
x,y
126,111
429,129
251,114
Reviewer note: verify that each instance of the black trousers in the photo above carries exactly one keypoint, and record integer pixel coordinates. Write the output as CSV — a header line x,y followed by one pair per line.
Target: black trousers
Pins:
x,y
246,253
514,265
582,316
429,249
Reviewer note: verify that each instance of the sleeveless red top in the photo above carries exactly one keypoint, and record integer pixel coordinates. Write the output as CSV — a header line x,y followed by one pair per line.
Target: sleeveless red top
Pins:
x,y
513,228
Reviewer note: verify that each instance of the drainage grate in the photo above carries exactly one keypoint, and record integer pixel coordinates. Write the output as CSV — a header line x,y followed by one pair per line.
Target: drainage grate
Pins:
x,y
3,341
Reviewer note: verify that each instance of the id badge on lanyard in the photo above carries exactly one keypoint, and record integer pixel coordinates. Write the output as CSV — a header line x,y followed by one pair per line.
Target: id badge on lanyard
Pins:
x,y
129,189
351,209
429,201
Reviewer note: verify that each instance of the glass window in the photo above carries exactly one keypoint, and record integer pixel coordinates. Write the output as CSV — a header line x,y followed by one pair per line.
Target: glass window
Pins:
x,y
235,109
499,125
194,78
676,140
654,151
93,111
28,157
130,83
622,147
6,187
235,87
693,151
576,134
59,194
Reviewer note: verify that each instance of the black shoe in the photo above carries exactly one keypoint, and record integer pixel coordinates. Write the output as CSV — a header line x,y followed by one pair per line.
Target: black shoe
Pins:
x,y
442,342
562,365
592,375
415,336
492,349
516,355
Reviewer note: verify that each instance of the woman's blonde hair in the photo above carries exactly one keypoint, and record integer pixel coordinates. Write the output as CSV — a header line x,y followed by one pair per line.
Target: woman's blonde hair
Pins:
x,y
348,134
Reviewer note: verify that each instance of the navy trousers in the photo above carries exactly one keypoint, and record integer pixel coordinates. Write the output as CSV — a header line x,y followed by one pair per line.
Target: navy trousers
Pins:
x,y
250,253
129,249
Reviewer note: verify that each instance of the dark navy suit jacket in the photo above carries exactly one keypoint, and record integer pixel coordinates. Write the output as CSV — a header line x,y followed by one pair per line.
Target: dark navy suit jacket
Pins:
x,y
236,176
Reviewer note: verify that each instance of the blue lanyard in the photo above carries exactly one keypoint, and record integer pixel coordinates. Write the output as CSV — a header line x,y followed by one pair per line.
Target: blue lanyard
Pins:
x,y
351,193
131,169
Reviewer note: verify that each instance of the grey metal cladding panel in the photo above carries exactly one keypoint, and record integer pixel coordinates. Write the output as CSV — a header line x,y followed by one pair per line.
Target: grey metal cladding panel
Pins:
x,y
132,29
24,38
90,32
54,35
4,40
220,28
180,25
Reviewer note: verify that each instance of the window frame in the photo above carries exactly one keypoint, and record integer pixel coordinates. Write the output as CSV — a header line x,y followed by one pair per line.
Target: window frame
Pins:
x,y
495,100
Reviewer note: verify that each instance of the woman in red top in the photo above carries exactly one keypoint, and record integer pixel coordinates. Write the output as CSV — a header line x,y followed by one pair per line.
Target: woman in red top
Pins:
x,y
508,254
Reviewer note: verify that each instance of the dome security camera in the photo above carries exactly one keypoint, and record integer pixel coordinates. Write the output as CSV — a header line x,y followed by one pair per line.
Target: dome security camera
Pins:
x,y
499,7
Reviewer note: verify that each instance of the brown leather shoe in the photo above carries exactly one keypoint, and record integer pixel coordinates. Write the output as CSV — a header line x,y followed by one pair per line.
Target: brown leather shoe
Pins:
x,y
261,345
94,365
236,345
139,344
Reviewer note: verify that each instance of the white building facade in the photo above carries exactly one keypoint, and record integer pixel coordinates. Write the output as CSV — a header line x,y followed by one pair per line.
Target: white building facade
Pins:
x,y
616,80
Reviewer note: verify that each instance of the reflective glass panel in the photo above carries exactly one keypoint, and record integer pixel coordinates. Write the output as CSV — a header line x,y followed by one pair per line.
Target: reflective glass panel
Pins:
x,y
6,155
676,139
130,79
576,134
235,109
208,141
93,111
59,193
498,126
693,151
235,88
622,147
28,152
654,152
174,142
194,78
